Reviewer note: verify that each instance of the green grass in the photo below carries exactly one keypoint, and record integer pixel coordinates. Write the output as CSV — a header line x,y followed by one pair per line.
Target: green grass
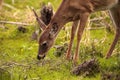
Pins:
x,y
18,52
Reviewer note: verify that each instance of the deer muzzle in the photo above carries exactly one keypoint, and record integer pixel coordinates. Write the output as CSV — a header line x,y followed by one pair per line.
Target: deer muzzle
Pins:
x,y
39,57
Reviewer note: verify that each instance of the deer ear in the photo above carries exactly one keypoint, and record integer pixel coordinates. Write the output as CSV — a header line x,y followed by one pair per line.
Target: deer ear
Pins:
x,y
40,22
53,30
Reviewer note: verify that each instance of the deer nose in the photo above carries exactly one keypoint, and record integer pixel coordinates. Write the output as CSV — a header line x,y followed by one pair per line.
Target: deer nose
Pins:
x,y
39,57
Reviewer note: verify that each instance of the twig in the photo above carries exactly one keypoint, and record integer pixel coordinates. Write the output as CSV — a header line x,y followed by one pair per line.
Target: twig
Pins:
x,y
97,19
19,64
95,28
9,6
11,64
41,23
16,23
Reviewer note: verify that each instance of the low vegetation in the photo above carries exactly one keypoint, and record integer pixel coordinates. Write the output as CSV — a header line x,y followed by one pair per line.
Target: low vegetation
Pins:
x,y
18,51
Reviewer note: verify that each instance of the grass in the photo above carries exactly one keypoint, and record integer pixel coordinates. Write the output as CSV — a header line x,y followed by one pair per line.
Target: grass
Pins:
x,y
18,52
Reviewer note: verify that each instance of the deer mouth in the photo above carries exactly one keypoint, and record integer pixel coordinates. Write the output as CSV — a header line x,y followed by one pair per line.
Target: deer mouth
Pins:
x,y
39,57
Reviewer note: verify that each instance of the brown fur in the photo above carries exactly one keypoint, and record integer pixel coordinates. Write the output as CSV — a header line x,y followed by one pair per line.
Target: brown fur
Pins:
x,y
78,12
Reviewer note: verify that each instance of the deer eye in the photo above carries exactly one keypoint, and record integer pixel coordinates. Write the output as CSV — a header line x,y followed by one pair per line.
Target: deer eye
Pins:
x,y
44,44
43,47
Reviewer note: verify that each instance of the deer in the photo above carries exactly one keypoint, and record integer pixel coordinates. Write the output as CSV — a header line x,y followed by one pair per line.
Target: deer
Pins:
x,y
77,12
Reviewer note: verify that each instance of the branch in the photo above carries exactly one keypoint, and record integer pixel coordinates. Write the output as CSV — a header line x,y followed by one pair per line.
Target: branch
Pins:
x,y
40,22
95,28
97,19
16,23
9,6
11,64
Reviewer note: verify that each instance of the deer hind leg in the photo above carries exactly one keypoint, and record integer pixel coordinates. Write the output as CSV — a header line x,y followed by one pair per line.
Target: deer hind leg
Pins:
x,y
115,16
73,31
83,21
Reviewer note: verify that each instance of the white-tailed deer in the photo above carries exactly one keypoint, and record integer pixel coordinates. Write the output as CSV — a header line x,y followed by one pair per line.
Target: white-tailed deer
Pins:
x,y
78,12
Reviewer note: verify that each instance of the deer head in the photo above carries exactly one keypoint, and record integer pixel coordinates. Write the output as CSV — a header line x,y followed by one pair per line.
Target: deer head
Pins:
x,y
68,11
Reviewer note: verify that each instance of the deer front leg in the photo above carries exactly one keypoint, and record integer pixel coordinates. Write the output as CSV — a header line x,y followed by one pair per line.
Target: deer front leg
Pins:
x,y
83,20
115,16
73,31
